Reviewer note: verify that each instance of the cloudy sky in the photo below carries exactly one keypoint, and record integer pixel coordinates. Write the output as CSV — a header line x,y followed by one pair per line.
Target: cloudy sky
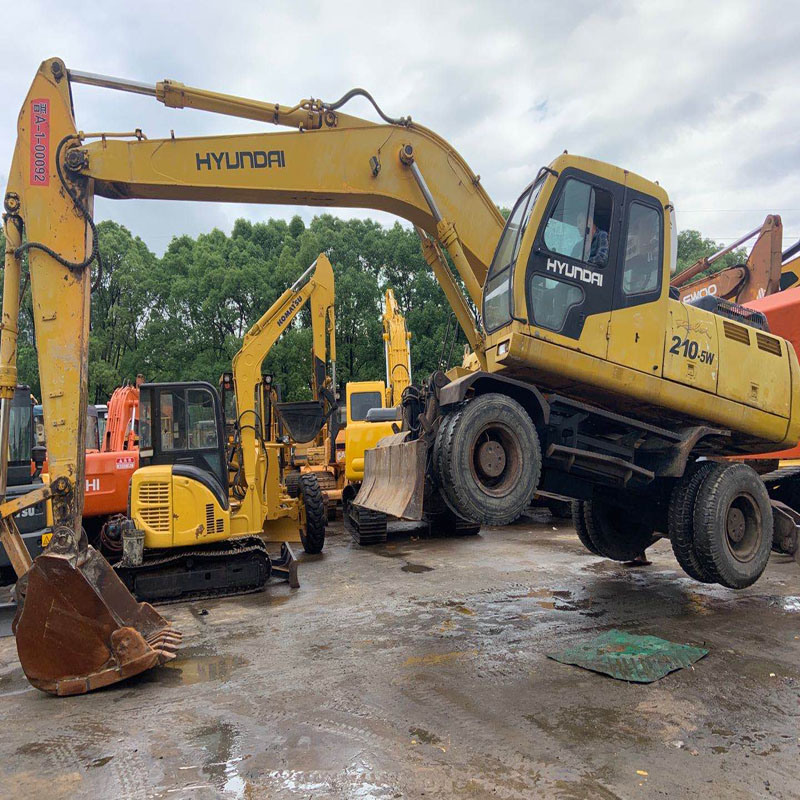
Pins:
x,y
703,97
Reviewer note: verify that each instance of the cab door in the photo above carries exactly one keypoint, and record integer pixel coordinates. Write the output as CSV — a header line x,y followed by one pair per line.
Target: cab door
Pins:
x,y
638,319
569,277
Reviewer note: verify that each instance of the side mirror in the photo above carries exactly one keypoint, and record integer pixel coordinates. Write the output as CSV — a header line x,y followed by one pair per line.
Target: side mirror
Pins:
x,y
39,454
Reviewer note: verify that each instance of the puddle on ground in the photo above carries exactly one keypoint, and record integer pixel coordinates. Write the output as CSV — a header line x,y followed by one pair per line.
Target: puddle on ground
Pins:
x,y
459,607
201,669
434,659
388,551
221,765
416,568
100,762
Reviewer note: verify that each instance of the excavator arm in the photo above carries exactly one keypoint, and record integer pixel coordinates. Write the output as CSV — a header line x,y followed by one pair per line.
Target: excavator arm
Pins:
x,y
315,287
741,283
398,354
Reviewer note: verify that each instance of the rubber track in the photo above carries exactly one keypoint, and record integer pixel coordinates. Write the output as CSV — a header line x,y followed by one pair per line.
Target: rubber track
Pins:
x,y
244,546
316,516
366,527
680,521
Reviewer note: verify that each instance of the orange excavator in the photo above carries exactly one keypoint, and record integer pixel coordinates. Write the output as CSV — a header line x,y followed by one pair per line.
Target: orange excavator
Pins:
x,y
109,470
759,276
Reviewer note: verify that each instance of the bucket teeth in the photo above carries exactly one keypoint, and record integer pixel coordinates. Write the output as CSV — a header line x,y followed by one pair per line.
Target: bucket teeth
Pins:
x,y
165,643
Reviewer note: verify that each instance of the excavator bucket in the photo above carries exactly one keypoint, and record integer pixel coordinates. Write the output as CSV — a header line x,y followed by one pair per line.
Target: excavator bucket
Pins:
x,y
394,477
78,628
303,419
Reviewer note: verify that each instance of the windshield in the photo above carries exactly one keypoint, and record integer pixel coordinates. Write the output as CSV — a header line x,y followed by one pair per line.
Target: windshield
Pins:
x,y
362,402
497,292
20,431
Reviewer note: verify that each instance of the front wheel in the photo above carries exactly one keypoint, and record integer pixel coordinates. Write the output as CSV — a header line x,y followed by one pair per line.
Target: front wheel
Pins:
x,y
313,535
489,459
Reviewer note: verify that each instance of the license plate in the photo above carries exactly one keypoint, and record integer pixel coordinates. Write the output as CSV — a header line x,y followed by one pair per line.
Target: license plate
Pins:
x,y
46,537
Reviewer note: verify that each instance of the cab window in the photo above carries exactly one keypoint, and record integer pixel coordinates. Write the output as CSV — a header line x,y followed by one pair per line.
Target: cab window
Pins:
x,y
552,300
497,295
202,421
145,420
362,402
580,223
642,250
19,432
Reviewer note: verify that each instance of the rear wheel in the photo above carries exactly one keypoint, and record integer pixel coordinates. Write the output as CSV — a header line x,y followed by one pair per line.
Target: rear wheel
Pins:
x,y
560,509
733,525
612,531
489,459
681,519
313,537
579,523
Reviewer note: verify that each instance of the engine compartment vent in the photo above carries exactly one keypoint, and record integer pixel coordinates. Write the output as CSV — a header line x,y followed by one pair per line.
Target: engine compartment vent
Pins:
x,y
736,332
768,344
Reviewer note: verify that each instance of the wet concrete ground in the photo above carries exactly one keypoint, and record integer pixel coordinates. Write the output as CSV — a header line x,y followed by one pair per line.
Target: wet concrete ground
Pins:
x,y
418,669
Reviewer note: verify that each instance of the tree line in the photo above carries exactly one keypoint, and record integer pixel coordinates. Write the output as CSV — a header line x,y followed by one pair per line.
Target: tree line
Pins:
x,y
183,316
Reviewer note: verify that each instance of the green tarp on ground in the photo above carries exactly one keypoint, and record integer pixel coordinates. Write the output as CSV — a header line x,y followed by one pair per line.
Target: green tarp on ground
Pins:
x,y
628,657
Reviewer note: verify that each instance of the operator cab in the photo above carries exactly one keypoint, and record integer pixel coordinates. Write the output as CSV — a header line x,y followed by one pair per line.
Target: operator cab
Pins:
x,y
181,424
597,246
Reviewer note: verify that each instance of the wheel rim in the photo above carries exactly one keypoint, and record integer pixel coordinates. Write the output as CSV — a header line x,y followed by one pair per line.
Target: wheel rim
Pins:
x,y
743,528
496,463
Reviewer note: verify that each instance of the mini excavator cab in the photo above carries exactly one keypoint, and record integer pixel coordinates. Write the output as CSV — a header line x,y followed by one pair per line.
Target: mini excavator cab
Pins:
x,y
181,425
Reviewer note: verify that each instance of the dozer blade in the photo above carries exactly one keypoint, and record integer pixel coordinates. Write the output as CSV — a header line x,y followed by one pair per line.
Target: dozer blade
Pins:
x,y
394,477
78,628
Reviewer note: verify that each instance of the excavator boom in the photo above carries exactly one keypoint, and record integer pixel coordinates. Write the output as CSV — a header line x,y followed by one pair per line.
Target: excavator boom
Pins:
x,y
396,350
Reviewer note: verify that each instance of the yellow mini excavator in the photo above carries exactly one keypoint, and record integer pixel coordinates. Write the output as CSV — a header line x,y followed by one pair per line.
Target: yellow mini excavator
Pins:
x,y
586,379
208,494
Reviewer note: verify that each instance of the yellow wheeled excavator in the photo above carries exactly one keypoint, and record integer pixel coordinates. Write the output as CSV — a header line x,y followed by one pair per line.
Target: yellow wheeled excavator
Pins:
x,y
586,379
208,495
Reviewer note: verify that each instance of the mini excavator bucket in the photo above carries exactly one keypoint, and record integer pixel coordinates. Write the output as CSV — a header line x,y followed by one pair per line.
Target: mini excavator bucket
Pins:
x,y
303,419
78,628
394,477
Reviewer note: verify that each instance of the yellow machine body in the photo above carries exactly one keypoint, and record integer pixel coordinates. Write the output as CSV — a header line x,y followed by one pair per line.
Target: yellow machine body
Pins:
x,y
361,435
660,360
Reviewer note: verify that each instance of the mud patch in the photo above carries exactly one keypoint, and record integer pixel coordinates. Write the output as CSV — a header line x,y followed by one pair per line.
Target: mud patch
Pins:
x,y
416,568
423,737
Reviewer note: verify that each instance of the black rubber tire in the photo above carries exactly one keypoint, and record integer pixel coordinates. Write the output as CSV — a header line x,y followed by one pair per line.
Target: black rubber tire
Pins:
x,y
473,493
612,532
292,482
313,537
560,509
680,519
579,523
733,488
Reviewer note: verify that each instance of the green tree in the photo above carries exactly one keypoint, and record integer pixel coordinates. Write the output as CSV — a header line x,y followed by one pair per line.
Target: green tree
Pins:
x,y
692,246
